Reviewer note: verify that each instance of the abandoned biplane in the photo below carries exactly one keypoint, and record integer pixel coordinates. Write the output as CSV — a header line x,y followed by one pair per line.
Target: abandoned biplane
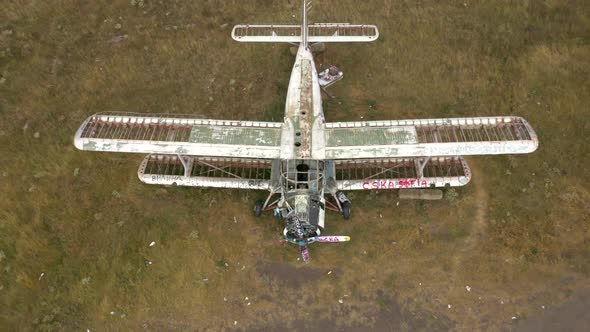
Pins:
x,y
305,162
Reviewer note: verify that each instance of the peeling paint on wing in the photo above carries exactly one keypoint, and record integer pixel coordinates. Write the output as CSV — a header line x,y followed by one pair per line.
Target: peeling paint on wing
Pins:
x,y
371,136
90,146
235,136
437,137
430,149
197,149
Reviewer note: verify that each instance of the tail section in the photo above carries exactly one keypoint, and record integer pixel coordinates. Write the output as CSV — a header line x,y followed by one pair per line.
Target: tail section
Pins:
x,y
305,33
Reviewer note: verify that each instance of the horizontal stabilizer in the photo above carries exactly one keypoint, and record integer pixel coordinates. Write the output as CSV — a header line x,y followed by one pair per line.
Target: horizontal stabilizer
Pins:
x,y
182,135
318,33
429,137
206,172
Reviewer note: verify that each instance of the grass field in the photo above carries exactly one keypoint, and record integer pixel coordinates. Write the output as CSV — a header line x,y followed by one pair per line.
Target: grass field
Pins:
x,y
75,227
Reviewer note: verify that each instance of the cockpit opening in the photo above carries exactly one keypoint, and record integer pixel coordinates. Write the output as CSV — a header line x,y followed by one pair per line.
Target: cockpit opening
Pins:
x,y
301,175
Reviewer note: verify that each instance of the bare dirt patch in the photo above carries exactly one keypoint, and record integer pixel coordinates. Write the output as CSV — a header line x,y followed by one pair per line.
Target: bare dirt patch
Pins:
x,y
479,222
290,275
570,316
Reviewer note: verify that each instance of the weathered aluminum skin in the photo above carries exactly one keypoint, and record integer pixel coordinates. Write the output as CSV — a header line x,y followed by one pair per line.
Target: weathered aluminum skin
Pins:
x,y
303,108
371,136
234,136
429,137
186,136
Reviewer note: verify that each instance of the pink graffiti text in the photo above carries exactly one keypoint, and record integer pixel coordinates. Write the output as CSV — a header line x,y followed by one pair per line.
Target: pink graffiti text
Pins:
x,y
395,184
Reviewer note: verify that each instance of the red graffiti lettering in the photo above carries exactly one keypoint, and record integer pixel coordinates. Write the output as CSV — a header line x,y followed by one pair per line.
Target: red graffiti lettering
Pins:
x,y
389,184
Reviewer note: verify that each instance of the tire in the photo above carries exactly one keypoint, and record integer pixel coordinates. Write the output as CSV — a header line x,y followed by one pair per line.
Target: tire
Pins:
x,y
258,208
346,210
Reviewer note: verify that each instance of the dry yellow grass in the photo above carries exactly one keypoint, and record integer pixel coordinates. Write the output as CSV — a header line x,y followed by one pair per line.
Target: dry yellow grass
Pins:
x,y
85,221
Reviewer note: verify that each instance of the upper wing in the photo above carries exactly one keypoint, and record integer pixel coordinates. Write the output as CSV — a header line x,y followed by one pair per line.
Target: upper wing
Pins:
x,y
429,137
185,136
318,33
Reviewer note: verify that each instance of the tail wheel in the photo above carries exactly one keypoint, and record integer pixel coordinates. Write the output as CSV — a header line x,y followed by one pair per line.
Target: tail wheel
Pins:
x,y
346,210
258,208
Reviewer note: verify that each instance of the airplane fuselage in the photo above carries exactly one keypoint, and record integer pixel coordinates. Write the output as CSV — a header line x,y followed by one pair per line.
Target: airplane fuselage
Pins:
x,y
303,109
302,176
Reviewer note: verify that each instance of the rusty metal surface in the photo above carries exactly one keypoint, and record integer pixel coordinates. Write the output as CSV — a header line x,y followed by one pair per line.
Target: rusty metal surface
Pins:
x,y
305,115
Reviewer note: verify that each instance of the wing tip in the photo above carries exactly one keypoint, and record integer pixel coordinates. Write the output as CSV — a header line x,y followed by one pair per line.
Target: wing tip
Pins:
x,y
78,140
78,143
534,141
534,145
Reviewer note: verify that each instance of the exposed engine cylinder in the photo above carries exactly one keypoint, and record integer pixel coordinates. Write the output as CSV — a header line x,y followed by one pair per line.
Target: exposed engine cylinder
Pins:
x,y
298,229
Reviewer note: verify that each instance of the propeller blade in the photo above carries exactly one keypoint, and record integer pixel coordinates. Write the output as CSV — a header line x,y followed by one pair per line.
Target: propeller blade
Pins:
x,y
333,238
304,253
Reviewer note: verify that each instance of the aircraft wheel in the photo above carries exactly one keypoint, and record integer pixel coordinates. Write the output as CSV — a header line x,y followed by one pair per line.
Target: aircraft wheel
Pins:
x,y
258,208
346,210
